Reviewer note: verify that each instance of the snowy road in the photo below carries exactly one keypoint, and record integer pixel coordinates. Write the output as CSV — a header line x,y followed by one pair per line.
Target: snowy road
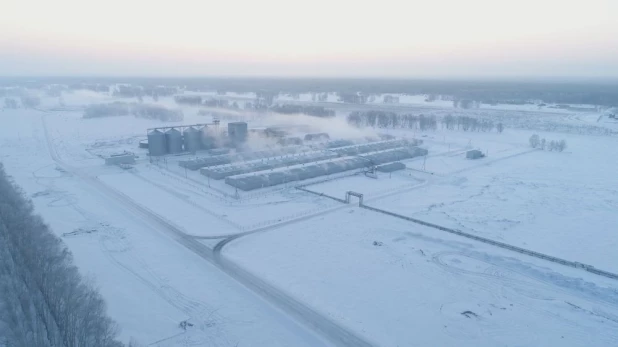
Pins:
x,y
325,327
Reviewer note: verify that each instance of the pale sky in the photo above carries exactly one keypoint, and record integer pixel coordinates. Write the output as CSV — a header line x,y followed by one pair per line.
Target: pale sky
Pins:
x,y
385,38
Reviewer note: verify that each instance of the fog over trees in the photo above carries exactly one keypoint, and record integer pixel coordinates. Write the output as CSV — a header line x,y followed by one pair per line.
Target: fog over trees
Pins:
x,y
383,119
315,111
44,301
139,110
542,143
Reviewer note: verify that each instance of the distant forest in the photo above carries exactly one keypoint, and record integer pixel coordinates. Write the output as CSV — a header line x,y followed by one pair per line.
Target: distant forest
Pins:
x,y
149,111
594,92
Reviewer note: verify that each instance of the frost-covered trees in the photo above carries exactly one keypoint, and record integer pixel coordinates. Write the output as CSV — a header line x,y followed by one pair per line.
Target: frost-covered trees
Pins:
x,y
194,100
150,111
552,145
383,119
10,103
315,111
43,299
30,101
107,110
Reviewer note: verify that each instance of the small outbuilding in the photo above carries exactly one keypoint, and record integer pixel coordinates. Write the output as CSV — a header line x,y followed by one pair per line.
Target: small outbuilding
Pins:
x,y
392,167
474,154
118,159
317,137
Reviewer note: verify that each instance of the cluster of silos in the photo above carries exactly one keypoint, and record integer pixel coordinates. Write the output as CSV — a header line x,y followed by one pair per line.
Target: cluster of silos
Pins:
x,y
173,141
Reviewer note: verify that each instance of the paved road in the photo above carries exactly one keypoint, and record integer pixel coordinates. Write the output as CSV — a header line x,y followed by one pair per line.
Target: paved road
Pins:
x,y
328,329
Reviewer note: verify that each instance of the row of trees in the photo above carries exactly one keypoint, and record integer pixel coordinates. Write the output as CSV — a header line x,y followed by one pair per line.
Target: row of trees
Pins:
x,y
315,111
26,102
467,123
149,111
43,299
552,145
383,119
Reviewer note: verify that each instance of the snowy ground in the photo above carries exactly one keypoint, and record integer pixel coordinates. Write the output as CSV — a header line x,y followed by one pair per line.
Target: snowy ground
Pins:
x,y
413,287
416,287
389,183
561,204
149,281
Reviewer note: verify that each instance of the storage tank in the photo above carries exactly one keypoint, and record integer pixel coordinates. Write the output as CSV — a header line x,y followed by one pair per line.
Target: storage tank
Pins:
x,y
173,138
207,138
192,139
237,132
156,143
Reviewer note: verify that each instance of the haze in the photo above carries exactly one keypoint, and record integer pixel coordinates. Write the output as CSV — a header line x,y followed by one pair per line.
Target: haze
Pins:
x,y
389,38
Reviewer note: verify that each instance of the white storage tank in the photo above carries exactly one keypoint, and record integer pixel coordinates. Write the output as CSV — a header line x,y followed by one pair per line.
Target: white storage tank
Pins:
x,y
173,139
192,139
157,143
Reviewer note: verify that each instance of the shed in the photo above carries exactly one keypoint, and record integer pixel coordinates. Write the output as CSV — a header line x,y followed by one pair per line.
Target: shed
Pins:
x,y
118,159
396,166
474,154
317,137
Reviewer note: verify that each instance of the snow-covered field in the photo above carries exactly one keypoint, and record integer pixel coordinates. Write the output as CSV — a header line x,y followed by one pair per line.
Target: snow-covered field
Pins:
x,y
415,286
383,280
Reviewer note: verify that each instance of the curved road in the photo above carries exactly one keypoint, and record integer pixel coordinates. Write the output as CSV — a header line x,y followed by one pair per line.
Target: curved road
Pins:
x,y
330,330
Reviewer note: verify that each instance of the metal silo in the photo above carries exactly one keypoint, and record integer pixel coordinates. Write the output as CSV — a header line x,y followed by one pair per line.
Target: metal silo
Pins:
x,y
156,143
207,138
192,139
173,138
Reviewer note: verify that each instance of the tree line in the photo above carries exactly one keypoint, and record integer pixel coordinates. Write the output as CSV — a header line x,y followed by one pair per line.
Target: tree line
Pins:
x,y
384,119
315,111
148,111
28,101
44,301
551,145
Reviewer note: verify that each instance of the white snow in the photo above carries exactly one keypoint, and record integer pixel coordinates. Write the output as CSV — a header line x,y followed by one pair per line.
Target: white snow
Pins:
x,y
413,287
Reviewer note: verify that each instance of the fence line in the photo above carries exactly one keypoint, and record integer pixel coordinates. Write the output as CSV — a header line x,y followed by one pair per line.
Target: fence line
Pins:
x,y
574,264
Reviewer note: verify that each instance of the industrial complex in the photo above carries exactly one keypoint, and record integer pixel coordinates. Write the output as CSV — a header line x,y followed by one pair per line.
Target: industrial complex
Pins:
x,y
229,155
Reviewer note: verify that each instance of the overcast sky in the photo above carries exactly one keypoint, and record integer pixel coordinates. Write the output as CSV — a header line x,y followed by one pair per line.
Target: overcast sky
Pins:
x,y
390,38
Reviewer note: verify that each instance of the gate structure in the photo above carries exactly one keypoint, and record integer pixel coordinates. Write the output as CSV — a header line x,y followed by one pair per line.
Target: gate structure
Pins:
x,y
351,193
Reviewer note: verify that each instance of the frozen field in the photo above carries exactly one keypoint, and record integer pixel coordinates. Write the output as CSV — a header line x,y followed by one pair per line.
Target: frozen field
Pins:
x,y
562,204
150,282
420,287
383,280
